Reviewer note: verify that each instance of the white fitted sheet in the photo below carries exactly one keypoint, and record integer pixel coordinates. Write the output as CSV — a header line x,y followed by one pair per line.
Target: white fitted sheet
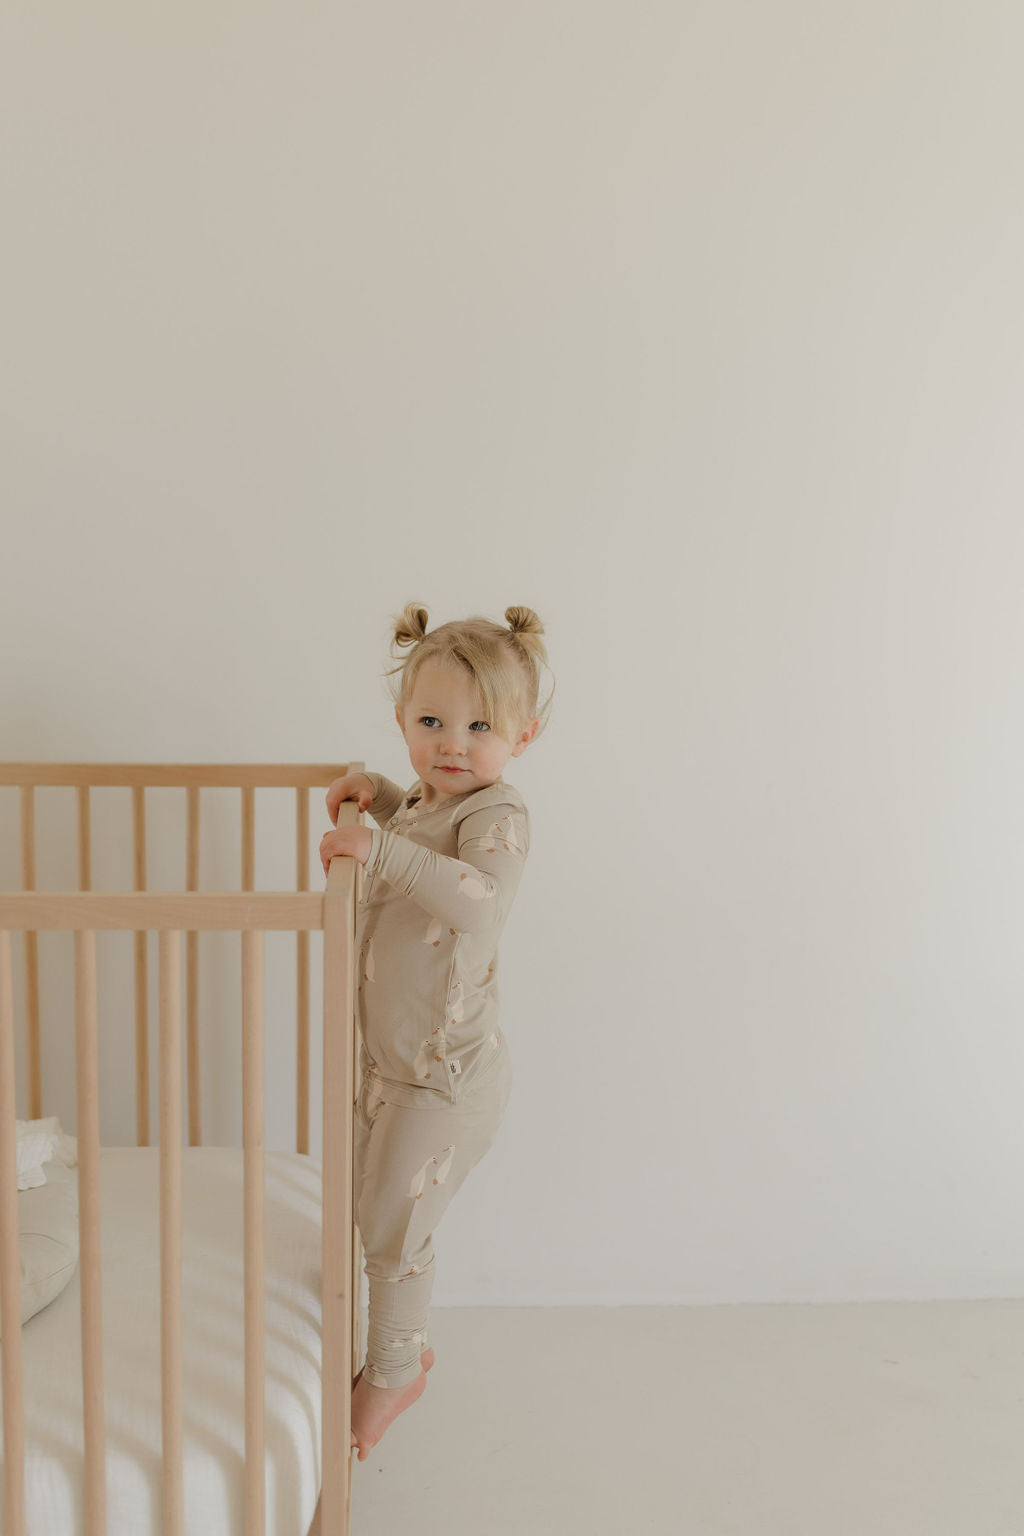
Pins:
x,y
213,1352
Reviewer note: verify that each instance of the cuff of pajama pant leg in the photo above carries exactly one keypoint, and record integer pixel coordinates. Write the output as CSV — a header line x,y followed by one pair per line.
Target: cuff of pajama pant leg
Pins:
x,y
403,1378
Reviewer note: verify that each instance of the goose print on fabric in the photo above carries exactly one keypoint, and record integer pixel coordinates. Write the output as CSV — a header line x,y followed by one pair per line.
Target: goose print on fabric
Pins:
x,y
435,931
443,1169
421,1066
417,1337
502,833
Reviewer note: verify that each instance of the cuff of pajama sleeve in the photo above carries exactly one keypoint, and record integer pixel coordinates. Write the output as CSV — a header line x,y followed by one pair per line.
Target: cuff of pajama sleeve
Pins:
x,y
373,856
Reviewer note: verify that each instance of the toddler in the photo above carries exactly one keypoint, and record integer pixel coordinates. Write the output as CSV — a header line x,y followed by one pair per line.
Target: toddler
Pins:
x,y
441,869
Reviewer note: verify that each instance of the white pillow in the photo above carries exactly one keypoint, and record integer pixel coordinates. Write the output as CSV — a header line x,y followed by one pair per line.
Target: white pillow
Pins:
x,y
47,1237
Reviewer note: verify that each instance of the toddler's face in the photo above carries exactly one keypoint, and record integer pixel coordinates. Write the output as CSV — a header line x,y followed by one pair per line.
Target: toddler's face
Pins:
x,y
445,728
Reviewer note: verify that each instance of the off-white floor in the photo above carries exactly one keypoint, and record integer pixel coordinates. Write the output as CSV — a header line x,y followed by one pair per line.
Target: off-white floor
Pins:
x,y
894,1419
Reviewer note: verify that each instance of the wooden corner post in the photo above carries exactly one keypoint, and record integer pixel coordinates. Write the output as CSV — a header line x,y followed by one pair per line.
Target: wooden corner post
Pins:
x,y
338,1214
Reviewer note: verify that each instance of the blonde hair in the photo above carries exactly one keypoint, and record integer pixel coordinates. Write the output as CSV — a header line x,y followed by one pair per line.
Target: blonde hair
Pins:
x,y
504,663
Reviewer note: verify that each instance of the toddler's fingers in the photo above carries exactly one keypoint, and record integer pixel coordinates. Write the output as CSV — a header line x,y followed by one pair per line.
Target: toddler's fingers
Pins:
x,y
333,799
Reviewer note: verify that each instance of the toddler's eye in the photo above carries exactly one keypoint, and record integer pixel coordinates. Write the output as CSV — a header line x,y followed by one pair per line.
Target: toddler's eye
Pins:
x,y
432,720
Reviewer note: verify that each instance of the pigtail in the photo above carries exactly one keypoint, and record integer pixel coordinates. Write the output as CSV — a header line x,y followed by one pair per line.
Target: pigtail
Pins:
x,y
411,625
523,621
526,629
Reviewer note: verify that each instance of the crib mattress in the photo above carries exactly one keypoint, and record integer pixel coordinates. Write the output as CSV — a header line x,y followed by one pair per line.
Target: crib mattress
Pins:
x,y
213,1353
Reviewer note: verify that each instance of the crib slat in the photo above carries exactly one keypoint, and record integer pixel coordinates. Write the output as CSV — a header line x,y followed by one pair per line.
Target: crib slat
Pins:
x,y
192,854
357,1242
195,1135
337,1301
32,1053
139,836
84,839
10,1278
173,1499
28,883
195,1128
252,1140
87,1072
302,977
141,975
28,837
248,839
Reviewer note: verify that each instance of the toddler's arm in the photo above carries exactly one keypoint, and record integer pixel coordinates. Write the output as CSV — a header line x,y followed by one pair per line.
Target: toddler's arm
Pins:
x,y
473,893
387,797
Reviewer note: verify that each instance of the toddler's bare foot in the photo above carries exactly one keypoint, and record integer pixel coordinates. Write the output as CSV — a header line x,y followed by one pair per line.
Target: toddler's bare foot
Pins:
x,y
426,1360
374,1409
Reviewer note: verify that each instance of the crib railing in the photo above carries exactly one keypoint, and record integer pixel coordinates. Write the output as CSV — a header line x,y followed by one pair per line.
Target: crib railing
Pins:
x,y
251,914
192,778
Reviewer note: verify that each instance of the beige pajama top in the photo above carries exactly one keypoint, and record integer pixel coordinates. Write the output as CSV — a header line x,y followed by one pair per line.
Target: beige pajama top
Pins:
x,y
437,887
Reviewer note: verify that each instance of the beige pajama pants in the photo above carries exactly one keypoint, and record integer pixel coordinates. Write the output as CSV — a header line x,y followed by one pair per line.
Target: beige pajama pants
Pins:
x,y
409,1162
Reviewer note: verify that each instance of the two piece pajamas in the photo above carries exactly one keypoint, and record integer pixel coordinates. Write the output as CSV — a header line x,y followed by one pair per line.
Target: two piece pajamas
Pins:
x,y
436,1072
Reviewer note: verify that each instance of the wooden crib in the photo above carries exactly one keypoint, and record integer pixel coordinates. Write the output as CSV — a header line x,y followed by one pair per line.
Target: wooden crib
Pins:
x,y
333,1313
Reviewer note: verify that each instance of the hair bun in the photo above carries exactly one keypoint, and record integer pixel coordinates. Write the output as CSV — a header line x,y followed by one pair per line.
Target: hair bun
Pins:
x,y
523,621
411,625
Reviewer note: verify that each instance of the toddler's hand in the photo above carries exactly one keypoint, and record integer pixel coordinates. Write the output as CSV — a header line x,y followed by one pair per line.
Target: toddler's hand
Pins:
x,y
350,842
351,786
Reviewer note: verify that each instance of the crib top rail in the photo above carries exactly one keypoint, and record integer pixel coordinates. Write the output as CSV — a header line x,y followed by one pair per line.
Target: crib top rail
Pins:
x,y
174,775
194,912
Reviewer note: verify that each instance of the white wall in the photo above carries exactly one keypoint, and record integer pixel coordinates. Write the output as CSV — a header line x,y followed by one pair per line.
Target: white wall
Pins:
x,y
695,327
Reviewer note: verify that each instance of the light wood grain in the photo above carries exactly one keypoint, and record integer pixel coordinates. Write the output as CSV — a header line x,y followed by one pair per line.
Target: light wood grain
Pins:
x,y
252,1140
84,839
195,1130
302,978
177,775
87,1078
339,973
172,1472
141,972
204,911
10,1277
28,883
